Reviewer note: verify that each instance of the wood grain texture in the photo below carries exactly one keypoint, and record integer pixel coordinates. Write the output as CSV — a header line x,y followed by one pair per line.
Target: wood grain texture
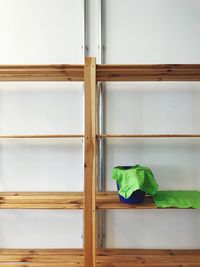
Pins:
x,y
41,200
149,136
165,72
63,72
110,200
66,200
42,72
105,258
90,165
40,136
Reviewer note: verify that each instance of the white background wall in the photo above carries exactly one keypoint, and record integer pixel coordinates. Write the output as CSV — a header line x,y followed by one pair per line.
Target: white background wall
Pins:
x,y
136,31
41,32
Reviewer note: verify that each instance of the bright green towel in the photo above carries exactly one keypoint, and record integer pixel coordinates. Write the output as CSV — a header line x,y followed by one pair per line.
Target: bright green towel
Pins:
x,y
177,199
134,178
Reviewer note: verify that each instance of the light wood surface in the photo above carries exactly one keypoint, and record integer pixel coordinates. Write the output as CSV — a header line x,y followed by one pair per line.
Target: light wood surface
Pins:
x,y
41,200
90,165
165,72
149,136
41,72
105,258
61,200
110,200
67,200
63,72
40,136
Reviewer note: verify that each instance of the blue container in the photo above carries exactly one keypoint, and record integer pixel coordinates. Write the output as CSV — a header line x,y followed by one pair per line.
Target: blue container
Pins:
x,y
136,197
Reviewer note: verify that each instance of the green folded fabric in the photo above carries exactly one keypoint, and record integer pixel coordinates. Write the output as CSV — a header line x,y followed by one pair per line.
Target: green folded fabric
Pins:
x,y
131,179
177,199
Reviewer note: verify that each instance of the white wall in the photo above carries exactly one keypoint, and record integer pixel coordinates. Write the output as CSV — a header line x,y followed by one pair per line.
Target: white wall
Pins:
x,y
136,31
41,32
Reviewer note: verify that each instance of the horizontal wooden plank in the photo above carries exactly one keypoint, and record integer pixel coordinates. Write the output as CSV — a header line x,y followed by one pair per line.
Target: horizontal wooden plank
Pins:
x,y
133,264
152,252
41,200
25,252
126,264
41,72
61,200
143,259
46,264
40,136
66,200
63,72
166,72
105,258
150,257
67,256
110,200
149,136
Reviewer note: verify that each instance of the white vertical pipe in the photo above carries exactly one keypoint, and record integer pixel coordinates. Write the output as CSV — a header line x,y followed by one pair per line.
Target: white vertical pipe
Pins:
x,y
84,47
85,29
101,180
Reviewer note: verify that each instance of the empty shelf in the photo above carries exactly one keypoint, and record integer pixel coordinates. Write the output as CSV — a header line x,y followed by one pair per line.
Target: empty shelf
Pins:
x,y
149,136
63,72
41,200
41,257
42,73
165,72
37,136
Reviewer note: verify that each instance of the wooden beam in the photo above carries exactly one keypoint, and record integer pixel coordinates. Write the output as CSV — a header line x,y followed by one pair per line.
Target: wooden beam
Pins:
x,y
166,72
40,136
68,200
41,200
47,264
110,200
105,257
149,136
73,256
41,73
90,165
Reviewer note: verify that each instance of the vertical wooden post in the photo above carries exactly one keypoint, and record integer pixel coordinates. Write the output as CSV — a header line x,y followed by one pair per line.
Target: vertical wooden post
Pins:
x,y
90,166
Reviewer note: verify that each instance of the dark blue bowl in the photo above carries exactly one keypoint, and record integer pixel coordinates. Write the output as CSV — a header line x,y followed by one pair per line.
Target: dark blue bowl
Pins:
x,y
136,197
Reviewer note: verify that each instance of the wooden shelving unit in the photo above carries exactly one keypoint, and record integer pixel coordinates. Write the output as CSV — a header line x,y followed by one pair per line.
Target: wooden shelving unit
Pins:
x,y
91,200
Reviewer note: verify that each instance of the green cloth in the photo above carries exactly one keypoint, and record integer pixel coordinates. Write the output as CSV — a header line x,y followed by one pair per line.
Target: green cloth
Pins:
x,y
131,179
177,199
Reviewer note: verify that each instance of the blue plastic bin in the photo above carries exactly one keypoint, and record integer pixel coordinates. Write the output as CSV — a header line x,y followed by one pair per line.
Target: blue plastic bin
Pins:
x,y
136,197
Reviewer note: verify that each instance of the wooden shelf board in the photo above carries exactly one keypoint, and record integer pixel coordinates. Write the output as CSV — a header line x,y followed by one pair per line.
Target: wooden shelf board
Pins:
x,y
149,136
61,200
41,72
66,200
63,72
105,257
38,136
41,200
165,72
110,200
